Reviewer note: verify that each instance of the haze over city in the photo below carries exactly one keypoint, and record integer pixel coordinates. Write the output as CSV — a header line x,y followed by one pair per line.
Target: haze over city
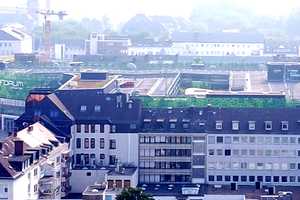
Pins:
x,y
150,99
120,11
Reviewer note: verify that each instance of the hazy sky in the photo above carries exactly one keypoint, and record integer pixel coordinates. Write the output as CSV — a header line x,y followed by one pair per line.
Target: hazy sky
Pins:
x,y
121,10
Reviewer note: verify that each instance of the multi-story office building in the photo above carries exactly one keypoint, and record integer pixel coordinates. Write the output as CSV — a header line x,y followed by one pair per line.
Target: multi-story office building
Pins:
x,y
31,165
204,145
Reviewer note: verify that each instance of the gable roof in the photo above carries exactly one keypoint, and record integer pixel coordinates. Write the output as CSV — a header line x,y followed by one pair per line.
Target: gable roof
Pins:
x,y
4,36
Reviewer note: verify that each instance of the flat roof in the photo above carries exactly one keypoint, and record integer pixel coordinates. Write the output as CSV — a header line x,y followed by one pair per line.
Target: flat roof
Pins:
x,y
78,83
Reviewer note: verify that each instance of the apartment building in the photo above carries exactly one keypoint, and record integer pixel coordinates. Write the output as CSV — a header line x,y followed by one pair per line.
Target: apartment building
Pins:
x,y
218,44
195,146
13,41
31,164
101,44
261,146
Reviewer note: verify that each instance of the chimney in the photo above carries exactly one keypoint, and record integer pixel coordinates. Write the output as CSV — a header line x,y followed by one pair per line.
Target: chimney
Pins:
x,y
19,147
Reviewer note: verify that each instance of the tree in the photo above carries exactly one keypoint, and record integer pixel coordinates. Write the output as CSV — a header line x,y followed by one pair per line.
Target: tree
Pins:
x,y
133,194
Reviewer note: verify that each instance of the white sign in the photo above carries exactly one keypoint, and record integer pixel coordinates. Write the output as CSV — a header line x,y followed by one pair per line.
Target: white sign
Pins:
x,y
12,84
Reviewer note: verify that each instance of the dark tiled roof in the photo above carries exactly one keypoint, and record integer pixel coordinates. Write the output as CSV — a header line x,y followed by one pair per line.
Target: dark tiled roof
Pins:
x,y
74,99
219,37
244,115
7,37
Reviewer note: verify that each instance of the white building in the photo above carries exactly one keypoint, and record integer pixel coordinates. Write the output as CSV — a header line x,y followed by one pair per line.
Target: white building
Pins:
x,y
30,164
101,44
13,41
205,44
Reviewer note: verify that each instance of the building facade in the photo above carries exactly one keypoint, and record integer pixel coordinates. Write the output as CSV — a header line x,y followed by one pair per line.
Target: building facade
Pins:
x,y
14,41
197,145
31,165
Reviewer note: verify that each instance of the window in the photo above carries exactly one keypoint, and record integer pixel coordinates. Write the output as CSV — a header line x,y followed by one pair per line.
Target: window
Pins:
x,y
113,128
172,125
93,128
211,140
78,128
132,126
235,125
292,165
211,152
284,125
86,143
211,178
78,143
284,179
260,178
219,125
88,174
86,128
219,152
243,178
112,160
251,178
83,108
102,143
93,143
97,108
219,140
252,140
35,172
268,179
227,152
227,140
268,125
219,178
102,156
235,178
235,139
227,178
112,144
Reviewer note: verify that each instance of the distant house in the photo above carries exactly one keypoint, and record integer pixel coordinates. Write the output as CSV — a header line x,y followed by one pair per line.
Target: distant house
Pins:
x,y
13,41
218,44
101,44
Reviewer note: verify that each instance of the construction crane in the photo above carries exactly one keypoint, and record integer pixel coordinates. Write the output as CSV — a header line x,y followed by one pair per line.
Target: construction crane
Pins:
x,y
47,13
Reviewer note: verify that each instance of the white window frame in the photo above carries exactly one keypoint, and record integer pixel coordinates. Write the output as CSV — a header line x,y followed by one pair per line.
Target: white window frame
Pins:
x,y
266,125
284,125
219,125
251,125
235,125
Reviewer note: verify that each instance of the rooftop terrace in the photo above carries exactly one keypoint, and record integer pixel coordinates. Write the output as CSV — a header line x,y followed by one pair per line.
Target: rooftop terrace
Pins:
x,y
223,102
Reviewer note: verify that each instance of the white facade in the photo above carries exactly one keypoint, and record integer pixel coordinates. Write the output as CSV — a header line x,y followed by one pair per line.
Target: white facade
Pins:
x,y
246,159
201,49
40,179
22,42
22,188
93,143
218,49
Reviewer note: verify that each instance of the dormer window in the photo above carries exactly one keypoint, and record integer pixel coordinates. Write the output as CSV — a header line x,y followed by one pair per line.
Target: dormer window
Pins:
x,y
83,108
186,123
97,108
284,125
173,123
235,125
219,125
251,125
268,125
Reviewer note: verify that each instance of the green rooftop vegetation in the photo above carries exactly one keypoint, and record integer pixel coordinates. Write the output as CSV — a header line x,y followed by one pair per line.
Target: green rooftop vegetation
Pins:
x,y
225,102
17,85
